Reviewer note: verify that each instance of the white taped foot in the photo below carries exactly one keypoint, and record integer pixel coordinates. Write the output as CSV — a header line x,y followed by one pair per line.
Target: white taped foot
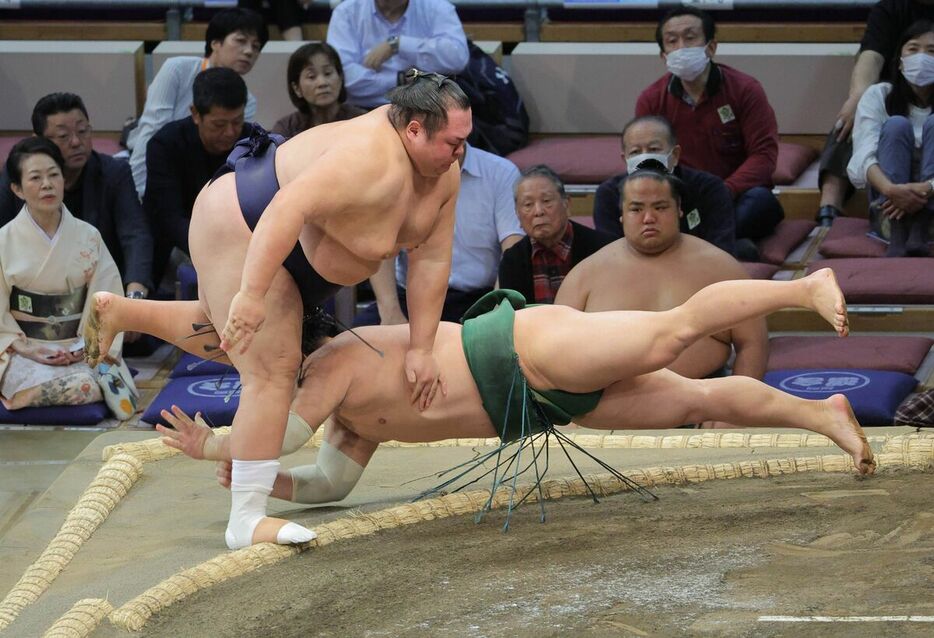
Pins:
x,y
294,533
250,485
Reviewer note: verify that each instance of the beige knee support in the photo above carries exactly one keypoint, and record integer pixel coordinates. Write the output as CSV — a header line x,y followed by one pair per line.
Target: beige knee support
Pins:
x,y
330,479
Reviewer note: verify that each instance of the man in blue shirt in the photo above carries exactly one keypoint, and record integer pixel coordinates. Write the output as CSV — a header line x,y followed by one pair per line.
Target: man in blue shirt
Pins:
x,y
378,39
485,225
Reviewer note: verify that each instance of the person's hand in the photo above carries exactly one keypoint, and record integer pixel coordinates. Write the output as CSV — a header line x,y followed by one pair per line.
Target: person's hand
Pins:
x,y
246,315
52,357
392,318
905,199
189,436
376,56
223,469
845,119
422,372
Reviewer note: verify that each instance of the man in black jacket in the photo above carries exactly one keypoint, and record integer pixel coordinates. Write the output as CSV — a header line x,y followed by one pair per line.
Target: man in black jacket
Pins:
x,y
184,155
98,189
649,142
553,244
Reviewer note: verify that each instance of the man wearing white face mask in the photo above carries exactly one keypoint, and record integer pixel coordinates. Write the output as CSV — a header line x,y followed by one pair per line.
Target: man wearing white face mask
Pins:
x,y
722,119
649,142
893,146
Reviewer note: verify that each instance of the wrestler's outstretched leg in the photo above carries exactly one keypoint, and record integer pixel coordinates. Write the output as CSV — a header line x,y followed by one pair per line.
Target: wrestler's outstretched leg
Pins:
x,y
663,399
580,352
174,321
218,239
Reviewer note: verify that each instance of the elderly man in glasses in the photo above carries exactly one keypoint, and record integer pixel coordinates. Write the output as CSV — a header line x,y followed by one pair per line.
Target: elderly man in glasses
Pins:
x,y
98,189
285,227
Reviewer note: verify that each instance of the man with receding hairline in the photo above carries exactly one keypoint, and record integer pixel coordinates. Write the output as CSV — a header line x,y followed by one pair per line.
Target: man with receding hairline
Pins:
x,y
656,267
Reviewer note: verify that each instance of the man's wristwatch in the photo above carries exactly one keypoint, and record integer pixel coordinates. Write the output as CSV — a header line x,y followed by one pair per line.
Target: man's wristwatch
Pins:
x,y
393,42
136,294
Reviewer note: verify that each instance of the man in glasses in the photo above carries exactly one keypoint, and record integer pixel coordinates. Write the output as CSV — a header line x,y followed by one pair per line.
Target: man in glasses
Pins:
x,y
98,189
280,232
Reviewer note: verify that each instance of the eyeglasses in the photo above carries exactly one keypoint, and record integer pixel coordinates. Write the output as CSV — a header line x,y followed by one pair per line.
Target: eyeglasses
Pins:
x,y
413,75
83,133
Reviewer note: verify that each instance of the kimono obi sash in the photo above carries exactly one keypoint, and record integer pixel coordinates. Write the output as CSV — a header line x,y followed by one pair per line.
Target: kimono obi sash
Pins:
x,y
48,317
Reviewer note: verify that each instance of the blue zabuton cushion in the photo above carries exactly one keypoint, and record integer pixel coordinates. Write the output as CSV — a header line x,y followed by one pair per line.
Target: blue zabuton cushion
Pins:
x,y
90,414
202,369
874,394
216,397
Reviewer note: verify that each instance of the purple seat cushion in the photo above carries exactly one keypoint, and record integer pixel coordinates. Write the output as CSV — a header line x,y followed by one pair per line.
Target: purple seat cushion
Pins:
x,y
874,394
89,414
788,235
895,354
793,160
906,280
191,366
847,238
577,159
758,270
216,397
590,159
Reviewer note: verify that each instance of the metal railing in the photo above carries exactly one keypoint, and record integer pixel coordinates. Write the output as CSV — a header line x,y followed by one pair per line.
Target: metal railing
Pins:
x,y
536,11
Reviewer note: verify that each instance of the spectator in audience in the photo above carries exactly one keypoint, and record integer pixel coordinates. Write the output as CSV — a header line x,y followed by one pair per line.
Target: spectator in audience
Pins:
x,y
50,265
722,119
315,79
98,189
485,225
378,40
887,21
649,141
893,146
287,14
184,155
656,267
233,40
553,244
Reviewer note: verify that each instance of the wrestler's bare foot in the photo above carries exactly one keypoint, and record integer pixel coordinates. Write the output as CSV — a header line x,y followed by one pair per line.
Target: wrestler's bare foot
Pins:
x,y
827,299
99,332
845,431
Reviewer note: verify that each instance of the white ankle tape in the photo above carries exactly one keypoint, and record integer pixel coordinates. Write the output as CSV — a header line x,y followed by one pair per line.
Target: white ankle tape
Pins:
x,y
250,485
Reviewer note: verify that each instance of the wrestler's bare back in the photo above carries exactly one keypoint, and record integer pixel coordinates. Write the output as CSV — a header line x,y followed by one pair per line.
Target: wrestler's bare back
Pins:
x,y
376,205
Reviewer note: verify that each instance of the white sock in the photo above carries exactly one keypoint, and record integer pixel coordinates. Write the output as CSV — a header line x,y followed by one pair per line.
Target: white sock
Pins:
x,y
250,485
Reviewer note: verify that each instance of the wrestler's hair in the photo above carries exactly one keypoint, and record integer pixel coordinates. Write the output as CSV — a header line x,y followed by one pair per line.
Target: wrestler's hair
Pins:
x,y
55,103
710,27
317,328
540,170
218,87
300,59
31,146
674,184
653,119
227,21
425,97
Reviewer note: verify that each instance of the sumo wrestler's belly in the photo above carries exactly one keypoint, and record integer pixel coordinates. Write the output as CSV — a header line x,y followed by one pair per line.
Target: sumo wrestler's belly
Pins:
x,y
333,261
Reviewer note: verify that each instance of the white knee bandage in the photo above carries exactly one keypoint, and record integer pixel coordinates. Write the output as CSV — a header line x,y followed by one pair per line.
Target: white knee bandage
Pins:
x,y
330,479
297,433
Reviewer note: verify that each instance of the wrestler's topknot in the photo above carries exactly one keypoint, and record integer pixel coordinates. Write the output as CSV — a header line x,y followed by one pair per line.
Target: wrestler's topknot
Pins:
x,y
425,97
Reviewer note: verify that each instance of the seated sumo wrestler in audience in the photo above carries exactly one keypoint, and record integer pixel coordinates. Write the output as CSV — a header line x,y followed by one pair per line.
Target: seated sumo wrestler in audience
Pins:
x,y
707,204
893,146
656,267
184,155
233,40
50,266
315,80
537,264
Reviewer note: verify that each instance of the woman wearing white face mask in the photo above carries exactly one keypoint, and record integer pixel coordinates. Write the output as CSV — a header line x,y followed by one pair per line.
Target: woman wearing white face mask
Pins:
x,y
893,147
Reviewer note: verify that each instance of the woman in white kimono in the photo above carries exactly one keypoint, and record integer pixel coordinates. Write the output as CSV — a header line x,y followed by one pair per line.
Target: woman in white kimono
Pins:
x,y
50,266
